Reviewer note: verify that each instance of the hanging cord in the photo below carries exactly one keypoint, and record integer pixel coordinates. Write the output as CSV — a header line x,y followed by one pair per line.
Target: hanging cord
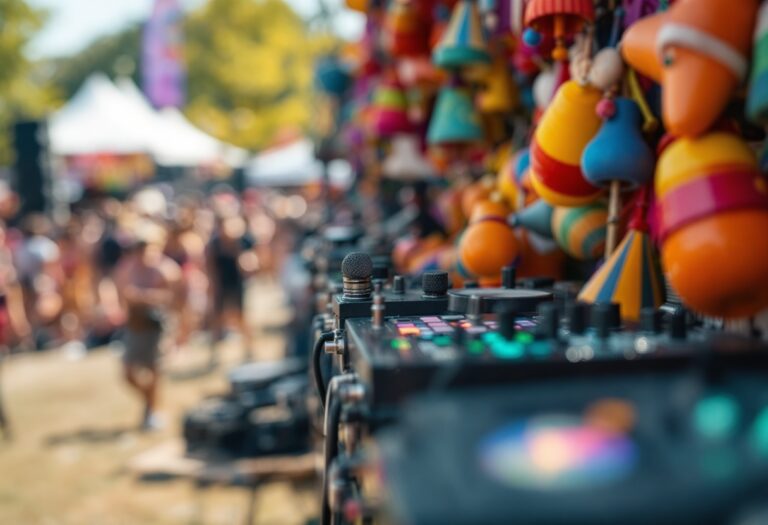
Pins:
x,y
317,366
650,122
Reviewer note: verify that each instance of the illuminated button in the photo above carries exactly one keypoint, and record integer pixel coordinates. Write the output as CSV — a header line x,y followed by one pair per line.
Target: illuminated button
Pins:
x,y
524,337
405,325
716,417
476,329
442,329
400,344
760,433
442,340
507,350
408,330
540,348
476,347
429,320
491,337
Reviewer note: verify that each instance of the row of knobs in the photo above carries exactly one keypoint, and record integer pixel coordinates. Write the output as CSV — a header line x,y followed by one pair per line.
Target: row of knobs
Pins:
x,y
604,319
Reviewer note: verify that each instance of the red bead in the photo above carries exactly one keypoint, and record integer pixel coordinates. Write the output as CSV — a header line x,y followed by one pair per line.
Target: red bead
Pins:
x,y
606,108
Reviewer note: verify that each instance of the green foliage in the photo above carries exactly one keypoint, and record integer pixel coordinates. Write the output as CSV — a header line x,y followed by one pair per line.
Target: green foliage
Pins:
x,y
22,94
250,65
116,54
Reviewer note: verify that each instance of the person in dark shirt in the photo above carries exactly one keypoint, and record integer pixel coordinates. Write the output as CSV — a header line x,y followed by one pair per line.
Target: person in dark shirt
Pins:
x,y
230,261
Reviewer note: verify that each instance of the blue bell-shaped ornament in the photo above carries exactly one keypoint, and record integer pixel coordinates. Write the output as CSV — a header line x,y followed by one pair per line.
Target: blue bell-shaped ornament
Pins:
x,y
619,152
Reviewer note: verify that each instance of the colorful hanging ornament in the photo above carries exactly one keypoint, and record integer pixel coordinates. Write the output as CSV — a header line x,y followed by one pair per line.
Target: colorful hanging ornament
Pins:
x,y
405,161
405,34
713,217
536,217
618,158
389,109
697,51
454,119
580,232
559,18
630,276
488,244
463,43
567,126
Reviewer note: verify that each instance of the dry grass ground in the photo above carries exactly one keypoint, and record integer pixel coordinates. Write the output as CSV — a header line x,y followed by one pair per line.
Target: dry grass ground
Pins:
x,y
74,429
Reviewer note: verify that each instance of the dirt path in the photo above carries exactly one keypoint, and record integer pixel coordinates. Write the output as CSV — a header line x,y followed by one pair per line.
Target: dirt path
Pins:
x,y
75,430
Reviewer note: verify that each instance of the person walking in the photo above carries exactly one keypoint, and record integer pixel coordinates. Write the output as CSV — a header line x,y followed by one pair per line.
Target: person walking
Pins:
x,y
146,281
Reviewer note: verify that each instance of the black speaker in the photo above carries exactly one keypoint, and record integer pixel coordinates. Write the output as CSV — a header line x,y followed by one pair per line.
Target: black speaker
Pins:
x,y
31,170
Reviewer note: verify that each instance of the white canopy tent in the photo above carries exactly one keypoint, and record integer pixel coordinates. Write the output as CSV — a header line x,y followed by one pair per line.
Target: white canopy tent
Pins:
x,y
97,120
295,165
106,118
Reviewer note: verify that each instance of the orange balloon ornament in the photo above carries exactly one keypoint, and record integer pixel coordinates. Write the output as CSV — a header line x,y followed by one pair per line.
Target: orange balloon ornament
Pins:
x,y
488,244
698,51
713,215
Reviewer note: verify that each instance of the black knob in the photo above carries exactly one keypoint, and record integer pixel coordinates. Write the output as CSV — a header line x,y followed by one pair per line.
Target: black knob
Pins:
x,y
434,284
577,317
357,265
609,312
678,325
398,284
506,317
603,320
650,320
508,277
475,307
549,321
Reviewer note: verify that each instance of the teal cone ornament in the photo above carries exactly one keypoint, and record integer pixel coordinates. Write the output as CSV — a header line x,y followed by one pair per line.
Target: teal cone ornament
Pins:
x,y
463,43
536,217
454,119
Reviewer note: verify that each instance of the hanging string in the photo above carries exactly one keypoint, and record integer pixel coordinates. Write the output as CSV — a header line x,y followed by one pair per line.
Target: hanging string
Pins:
x,y
651,123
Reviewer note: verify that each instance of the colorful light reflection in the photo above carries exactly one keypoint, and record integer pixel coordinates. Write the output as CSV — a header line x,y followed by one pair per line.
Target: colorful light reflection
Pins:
x,y
557,452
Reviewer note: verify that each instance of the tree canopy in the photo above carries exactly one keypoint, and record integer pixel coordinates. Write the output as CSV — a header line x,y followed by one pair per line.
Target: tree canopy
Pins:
x,y
23,93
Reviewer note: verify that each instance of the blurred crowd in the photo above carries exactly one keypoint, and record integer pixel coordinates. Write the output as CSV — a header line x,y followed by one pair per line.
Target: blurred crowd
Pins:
x,y
64,277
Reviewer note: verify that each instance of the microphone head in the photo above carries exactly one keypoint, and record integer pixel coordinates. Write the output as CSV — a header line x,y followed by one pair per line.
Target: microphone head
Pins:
x,y
357,266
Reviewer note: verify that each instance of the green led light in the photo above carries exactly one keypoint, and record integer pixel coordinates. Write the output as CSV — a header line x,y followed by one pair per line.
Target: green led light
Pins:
x,y
442,340
716,417
400,344
506,350
476,347
524,337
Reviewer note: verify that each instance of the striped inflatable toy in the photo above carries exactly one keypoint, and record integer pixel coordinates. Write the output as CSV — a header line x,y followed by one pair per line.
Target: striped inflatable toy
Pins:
x,y
580,232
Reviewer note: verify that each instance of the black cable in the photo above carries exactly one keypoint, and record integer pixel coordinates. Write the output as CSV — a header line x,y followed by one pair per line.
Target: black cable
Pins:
x,y
330,451
317,368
